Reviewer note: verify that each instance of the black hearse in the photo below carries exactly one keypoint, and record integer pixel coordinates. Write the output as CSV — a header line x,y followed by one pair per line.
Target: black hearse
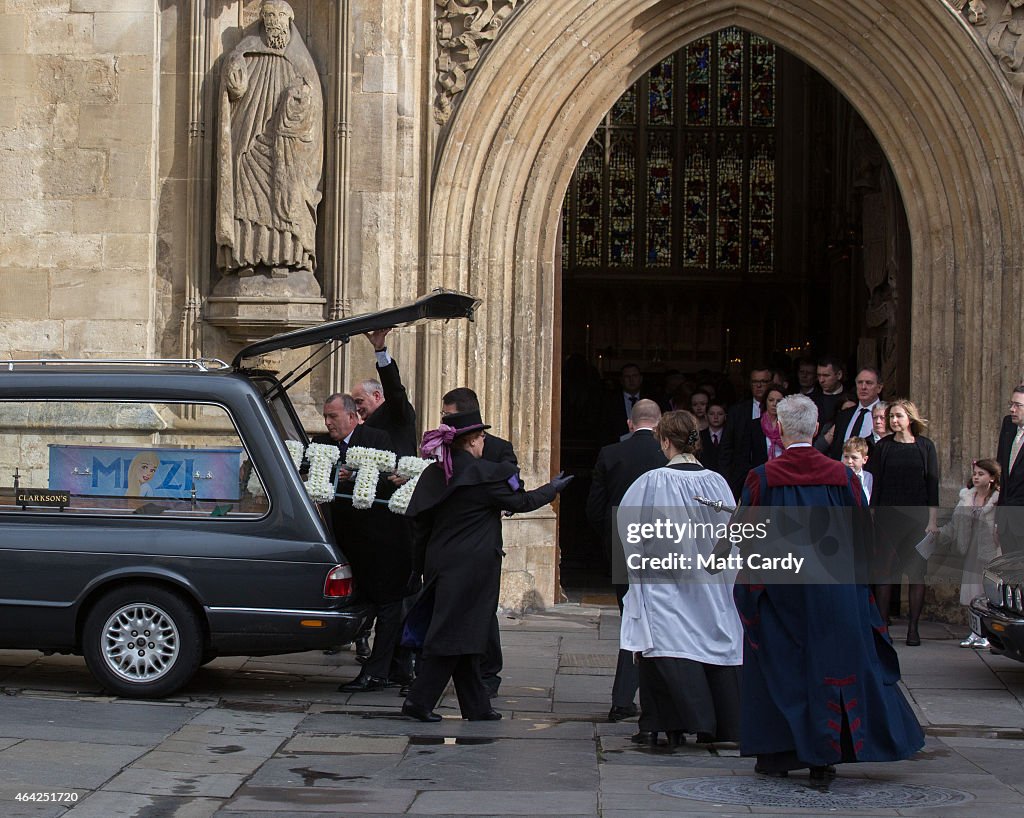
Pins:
x,y
152,518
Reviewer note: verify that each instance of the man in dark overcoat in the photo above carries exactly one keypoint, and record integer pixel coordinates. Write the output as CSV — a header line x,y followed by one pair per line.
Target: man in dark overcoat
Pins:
x,y
384,404
617,468
376,542
1010,514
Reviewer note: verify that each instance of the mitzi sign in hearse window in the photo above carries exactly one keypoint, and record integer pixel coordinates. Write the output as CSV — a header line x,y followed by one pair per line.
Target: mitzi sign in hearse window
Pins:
x,y
128,458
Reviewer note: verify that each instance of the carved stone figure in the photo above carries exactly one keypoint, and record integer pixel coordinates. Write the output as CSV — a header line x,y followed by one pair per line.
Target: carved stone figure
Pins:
x,y
464,28
1006,42
270,150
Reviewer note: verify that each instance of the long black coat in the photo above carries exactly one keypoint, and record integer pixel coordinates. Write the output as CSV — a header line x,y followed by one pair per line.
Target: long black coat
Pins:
x,y
396,415
458,528
376,542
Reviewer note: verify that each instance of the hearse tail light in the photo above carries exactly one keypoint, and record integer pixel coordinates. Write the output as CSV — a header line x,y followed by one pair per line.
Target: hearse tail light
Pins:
x,y
339,582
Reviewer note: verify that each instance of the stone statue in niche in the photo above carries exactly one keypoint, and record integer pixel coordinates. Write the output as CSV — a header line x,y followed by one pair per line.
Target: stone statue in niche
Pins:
x,y
269,153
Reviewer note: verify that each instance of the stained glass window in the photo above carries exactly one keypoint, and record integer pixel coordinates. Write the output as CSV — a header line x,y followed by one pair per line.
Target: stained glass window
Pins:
x,y
660,84
696,202
659,199
621,200
589,197
698,82
681,180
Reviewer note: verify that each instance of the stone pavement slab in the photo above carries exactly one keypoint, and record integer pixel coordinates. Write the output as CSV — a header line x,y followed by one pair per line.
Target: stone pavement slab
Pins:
x,y
126,805
137,723
508,803
251,800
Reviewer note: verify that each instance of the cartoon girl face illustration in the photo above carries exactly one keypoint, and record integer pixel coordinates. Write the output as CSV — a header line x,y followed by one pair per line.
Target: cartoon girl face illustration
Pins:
x,y
140,473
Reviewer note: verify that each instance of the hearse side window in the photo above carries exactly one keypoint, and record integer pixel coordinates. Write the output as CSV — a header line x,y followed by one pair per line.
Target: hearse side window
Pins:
x,y
123,457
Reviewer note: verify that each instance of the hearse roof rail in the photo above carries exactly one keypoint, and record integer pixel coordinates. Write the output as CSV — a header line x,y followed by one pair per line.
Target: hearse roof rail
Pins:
x,y
201,364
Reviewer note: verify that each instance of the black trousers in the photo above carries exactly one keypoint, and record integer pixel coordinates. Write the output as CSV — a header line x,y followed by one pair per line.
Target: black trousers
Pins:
x,y
492,660
627,676
432,675
387,632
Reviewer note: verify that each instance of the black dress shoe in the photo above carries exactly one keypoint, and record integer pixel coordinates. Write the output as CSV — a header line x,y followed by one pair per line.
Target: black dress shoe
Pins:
x,y
676,738
913,639
363,683
404,690
620,712
362,648
826,773
418,713
490,715
770,773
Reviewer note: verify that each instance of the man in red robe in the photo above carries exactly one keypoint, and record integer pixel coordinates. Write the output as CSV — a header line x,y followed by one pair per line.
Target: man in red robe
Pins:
x,y
819,671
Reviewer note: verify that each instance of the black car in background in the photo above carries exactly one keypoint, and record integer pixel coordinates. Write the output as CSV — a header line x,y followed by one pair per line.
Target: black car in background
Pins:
x,y
999,615
152,518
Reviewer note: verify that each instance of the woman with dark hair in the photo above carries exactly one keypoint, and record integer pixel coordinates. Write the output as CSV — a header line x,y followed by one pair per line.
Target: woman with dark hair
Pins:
x,y
905,497
457,504
682,623
765,439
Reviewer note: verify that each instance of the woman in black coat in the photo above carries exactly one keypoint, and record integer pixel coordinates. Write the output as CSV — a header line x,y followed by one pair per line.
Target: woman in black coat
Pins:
x,y
457,504
905,499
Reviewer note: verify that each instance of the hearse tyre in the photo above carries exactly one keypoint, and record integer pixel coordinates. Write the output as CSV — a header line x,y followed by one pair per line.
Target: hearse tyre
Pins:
x,y
142,641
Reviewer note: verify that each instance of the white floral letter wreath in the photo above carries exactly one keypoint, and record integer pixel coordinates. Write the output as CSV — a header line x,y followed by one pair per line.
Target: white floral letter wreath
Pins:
x,y
321,457
370,463
411,467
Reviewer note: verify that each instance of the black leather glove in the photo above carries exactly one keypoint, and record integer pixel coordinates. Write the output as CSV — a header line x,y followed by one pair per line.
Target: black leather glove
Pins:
x,y
560,481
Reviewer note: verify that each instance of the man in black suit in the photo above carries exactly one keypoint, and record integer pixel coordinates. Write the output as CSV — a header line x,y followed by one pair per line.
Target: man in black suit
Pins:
x,y
384,404
856,421
1009,514
376,542
619,405
618,466
496,450
734,453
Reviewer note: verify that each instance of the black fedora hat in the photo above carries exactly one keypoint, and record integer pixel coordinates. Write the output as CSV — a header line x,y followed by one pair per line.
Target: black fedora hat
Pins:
x,y
465,422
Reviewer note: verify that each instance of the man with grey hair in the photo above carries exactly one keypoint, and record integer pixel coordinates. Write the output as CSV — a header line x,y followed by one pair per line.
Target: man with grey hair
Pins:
x,y
384,404
819,670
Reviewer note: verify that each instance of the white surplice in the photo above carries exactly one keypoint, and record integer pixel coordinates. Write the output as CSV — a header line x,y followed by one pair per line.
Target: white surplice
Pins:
x,y
687,613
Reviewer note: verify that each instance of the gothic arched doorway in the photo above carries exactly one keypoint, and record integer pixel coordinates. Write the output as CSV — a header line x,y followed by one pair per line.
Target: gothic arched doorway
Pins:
x,y
936,100
731,210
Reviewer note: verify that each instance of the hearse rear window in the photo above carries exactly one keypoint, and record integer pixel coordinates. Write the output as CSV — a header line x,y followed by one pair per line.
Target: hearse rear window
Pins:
x,y
121,457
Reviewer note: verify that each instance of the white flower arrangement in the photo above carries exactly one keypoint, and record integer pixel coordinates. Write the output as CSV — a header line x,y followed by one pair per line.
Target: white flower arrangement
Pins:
x,y
369,463
412,468
295,450
254,486
321,457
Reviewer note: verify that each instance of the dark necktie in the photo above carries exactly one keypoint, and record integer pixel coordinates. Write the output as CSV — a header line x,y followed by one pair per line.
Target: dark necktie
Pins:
x,y
632,400
855,432
714,438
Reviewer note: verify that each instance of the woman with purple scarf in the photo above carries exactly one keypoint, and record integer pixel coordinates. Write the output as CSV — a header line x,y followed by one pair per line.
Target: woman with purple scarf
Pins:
x,y
457,505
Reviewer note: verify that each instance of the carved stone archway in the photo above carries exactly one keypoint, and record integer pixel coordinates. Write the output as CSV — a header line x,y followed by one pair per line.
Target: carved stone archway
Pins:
x,y
946,117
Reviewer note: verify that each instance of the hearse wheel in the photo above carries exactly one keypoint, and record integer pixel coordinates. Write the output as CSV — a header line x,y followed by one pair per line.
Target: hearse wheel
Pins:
x,y
142,641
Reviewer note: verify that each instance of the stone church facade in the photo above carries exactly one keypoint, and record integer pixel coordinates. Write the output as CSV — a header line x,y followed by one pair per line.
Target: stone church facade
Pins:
x,y
451,131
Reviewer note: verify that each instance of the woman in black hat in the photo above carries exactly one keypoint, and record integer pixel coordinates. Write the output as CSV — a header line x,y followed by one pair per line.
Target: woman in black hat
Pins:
x,y
457,504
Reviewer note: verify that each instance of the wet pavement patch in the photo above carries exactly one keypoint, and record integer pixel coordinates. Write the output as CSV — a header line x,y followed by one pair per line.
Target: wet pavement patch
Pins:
x,y
798,793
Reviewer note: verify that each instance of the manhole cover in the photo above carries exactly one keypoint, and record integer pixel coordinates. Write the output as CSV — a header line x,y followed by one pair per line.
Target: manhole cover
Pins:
x,y
842,793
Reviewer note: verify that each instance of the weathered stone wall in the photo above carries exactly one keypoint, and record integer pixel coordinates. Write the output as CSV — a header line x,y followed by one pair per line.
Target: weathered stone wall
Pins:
x,y
78,104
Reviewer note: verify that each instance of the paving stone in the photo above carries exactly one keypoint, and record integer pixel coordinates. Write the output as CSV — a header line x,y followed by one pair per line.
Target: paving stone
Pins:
x,y
126,805
300,800
397,725
151,782
991,708
118,722
308,743
318,770
238,763
274,724
508,803
583,689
